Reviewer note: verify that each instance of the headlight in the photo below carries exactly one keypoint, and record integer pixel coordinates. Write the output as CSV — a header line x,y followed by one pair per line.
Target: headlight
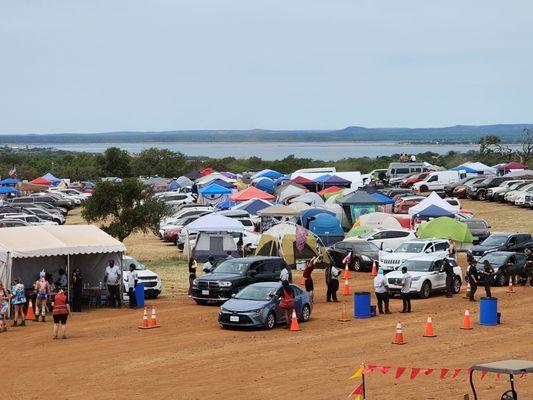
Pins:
x,y
195,282
259,310
224,283
416,278
365,258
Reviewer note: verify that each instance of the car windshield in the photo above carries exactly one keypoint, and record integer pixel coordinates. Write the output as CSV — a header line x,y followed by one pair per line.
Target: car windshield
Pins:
x,y
419,266
476,224
494,259
410,248
495,240
254,292
127,262
234,267
365,246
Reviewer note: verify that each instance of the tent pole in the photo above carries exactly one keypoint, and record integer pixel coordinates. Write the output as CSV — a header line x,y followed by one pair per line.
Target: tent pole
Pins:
x,y
68,277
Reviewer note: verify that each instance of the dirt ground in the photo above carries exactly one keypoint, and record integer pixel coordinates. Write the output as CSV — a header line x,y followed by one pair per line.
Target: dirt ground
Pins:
x,y
191,357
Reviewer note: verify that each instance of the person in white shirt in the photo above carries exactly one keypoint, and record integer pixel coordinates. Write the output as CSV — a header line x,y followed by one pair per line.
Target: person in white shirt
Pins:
x,y
406,287
413,158
382,292
133,277
112,279
284,274
332,282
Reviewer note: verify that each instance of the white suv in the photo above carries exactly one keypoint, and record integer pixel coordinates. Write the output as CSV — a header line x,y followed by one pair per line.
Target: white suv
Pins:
x,y
427,276
390,261
386,238
150,280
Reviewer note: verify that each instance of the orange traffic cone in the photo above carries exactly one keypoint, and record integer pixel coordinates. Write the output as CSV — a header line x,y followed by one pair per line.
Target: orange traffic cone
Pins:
x,y
30,314
153,319
346,271
344,317
302,281
466,321
398,337
510,290
144,321
346,290
429,327
294,322
374,269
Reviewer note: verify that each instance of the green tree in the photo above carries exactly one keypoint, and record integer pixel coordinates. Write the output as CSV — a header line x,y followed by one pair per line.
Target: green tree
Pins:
x,y
124,208
161,162
115,162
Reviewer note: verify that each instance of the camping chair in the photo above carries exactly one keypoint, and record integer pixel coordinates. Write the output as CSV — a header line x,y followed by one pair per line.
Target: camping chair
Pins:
x,y
509,367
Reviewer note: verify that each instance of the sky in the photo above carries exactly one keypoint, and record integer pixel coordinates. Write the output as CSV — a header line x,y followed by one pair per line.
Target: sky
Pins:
x,y
156,65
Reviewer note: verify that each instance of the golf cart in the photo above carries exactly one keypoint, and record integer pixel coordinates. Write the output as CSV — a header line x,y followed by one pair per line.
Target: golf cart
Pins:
x,y
508,367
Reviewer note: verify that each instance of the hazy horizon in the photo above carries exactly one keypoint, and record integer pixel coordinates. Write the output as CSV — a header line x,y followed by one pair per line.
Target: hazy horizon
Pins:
x,y
177,65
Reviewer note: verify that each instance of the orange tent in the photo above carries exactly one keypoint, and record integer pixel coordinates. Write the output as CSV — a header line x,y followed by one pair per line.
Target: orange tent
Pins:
x,y
41,181
251,193
331,189
207,171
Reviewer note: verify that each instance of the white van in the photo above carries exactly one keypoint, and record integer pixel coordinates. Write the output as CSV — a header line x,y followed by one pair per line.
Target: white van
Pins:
x,y
437,180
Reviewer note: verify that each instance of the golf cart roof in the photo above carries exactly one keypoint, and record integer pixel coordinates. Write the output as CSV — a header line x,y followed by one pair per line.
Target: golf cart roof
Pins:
x,y
506,367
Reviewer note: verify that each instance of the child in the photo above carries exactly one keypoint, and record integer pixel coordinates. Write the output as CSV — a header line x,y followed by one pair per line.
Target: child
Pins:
x,y
18,299
4,306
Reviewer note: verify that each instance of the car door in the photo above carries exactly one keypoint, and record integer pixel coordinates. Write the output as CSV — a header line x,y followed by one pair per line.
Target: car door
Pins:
x,y
298,299
379,240
437,278
268,273
512,243
518,261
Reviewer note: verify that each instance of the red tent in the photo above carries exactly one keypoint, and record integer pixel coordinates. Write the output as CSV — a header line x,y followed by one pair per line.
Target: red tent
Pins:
x,y
331,189
300,180
251,193
513,165
207,171
42,181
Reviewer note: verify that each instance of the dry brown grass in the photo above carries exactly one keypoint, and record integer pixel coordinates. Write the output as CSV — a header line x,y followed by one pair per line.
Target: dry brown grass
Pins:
x,y
502,217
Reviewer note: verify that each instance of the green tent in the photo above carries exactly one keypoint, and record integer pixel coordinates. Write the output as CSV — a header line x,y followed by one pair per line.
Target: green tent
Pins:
x,y
358,231
445,228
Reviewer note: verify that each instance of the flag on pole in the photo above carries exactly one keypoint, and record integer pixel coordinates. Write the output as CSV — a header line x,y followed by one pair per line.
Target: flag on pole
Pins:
x,y
13,172
301,236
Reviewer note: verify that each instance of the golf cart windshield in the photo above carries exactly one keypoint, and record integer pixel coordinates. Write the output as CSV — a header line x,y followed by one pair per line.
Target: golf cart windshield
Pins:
x,y
410,248
255,293
495,240
234,267
420,266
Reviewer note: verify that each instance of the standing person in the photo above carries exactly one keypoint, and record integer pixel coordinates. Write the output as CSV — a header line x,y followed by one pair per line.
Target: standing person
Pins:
x,y
471,273
77,290
209,265
309,284
332,282
18,299
42,290
488,273
529,266
286,302
452,250
413,158
406,287
285,274
192,274
4,306
447,268
61,281
133,277
229,255
381,288
112,279
60,312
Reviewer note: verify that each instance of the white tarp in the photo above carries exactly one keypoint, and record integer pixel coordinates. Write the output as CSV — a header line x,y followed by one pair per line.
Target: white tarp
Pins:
x,y
215,223
310,198
379,220
433,199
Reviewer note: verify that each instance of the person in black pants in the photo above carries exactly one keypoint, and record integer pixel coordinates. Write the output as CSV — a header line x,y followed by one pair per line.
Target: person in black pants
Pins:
x,y
406,287
448,269
472,278
332,281
488,273
77,288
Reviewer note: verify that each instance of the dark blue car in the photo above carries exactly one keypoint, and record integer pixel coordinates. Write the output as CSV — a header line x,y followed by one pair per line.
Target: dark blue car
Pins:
x,y
257,305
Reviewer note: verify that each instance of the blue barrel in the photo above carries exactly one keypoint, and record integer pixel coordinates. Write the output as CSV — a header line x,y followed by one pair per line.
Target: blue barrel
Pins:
x,y
139,294
361,305
488,311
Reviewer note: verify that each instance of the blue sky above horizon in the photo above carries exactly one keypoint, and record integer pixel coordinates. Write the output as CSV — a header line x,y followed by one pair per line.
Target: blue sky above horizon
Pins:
x,y
131,65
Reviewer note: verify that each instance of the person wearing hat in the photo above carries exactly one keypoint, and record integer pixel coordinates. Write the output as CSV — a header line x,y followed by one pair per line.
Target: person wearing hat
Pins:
x,y
381,288
18,299
42,290
60,313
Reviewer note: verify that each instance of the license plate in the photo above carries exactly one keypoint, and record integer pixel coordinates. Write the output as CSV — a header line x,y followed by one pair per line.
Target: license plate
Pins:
x,y
234,318
205,292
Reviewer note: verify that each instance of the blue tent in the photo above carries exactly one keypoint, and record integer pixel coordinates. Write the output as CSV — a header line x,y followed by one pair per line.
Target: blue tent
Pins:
x,y
327,227
265,184
282,179
468,170
225,205
173,186
223,183
9,181
7,190
51,178
322,178
267,173
214,189
255,205
382,197
309,213
434,211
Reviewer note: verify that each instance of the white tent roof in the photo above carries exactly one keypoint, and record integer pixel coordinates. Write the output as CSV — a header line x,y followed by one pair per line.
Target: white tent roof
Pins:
x,y
379,220
433,199
309,198
211,177
280,230
54,240
278,210
289,190
215,223
298,206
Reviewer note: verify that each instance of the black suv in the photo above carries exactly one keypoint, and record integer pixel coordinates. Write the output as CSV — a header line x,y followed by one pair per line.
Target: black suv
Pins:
x,y
364,254
502,242
233,274
478,191
506,264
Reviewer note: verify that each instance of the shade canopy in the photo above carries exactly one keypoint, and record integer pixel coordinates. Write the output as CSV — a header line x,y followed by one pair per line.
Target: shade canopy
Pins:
x,y
512,165
359,197
214,189
193,175
303,181
7,190
433,200
267,173
51,178
278,210
331,189
433,211
215,223
251,193
445,228
9,181
253,206
336,180
207,171
42,181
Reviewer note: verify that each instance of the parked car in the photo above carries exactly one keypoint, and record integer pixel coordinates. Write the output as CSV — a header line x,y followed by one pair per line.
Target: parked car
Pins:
x,y
240,215
461,191
395,193
30,219
257,305
437,180
502,187
512,195
234,274
502,241
505,264
427,276
364,253
500,194
176,197
69,205
45,215
402,169
389,261
387,238
150,280
411,180
478,190
479,228
448,189
11,223
403,204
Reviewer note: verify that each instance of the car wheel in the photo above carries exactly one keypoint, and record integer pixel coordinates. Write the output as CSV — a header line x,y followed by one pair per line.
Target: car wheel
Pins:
x,y
306,313
481,196
456,285
270,321
423,188
201,302
426,290
356,265
500,280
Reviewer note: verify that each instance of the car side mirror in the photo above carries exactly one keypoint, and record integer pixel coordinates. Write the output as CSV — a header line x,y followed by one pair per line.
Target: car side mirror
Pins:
x,y
252,273
381,246
388,250
233,296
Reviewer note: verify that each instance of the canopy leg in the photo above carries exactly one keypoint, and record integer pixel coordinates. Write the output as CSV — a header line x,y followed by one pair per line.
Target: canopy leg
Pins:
x,y
511,379
472,384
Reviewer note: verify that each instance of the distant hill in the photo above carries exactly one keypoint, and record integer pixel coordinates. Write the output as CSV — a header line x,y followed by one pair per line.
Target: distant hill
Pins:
x,y
509,133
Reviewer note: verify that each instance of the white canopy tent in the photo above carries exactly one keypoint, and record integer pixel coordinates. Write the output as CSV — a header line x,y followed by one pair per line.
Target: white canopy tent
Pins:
x,y
436,200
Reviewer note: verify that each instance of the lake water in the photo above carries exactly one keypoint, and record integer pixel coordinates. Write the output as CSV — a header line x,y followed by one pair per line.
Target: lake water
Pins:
x,y
273,150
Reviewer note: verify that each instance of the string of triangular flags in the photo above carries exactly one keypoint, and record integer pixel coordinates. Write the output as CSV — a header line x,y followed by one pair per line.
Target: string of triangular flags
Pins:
x,y
413,373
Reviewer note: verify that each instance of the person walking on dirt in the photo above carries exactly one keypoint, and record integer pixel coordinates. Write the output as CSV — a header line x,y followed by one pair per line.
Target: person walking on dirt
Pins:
x,y
286,302
447,268
488,273
112,279
18,299
332,282
192,274
472,275
133,277
42,289
529,266
406,287
309,284
60,312
4,306
381,288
